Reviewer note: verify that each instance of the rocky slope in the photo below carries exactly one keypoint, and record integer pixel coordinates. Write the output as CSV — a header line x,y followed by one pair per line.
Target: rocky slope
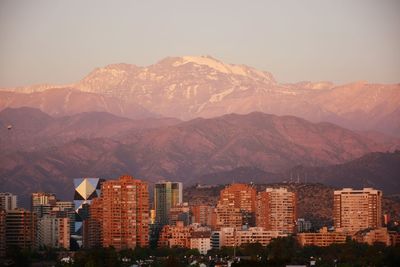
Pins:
x,y
69,101
101,145
378,170
33,129
190,87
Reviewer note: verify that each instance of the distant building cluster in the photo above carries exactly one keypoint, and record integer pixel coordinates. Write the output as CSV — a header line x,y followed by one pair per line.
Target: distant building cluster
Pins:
x,y
118,213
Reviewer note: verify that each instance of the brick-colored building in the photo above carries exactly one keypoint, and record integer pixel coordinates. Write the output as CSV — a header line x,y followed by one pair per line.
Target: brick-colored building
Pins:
x,y
2,233
355,210
240,196
230,237
371,236
125,218
236,207
321,239
394,238
175,236
21,228
202,214
276,210
93,225
180,212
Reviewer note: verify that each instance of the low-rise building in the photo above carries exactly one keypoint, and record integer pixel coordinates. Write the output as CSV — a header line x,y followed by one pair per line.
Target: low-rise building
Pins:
x,y
303,225
394,238
371,236
201,241
321,239
175,236
230,237
180,212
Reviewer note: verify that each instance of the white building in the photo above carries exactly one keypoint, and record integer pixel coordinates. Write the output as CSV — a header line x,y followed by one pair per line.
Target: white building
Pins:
x,y
201,241
8,201
53,232
230,237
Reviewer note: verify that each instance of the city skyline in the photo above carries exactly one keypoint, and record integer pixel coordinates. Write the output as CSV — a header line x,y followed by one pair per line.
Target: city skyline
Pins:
x,y
119,218
200,133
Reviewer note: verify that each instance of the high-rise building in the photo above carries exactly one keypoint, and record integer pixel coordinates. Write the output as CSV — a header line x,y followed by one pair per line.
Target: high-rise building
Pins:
x,y
202,214
2,233
65,209
93,225
240,196
125,218
21,229
236,207
42,203
53,232
85,190
276,210
355,210
166,196
180,212
226,216
8,201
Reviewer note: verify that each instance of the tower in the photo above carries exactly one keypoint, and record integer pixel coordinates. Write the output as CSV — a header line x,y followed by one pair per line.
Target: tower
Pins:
x,y
85,190
42,203
8,201
354,210
276,210
125,213
166,196
236,207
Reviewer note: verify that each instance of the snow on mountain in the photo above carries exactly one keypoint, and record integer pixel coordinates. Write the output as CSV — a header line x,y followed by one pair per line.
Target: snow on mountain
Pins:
x,y
202,86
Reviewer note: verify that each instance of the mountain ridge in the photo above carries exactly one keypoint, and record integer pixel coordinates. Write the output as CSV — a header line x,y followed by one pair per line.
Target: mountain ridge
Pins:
x,y
183,151
202,86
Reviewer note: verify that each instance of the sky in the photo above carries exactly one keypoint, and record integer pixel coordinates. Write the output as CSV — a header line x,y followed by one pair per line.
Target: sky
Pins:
x,y
54,41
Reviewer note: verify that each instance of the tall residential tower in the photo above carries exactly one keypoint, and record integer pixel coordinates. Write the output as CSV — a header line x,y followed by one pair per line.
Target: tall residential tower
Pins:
x,y
354,210
276,210
125,213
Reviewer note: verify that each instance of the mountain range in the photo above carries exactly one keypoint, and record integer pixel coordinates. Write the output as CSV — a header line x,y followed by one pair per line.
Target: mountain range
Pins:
x,y
202,86
197,119
45,152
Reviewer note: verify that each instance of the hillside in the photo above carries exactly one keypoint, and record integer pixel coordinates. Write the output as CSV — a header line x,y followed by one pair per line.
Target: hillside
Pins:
x,y
33,129
105,146
378,170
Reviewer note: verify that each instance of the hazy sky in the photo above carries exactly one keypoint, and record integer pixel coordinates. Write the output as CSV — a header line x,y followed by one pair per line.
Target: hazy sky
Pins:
x,y
340,40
